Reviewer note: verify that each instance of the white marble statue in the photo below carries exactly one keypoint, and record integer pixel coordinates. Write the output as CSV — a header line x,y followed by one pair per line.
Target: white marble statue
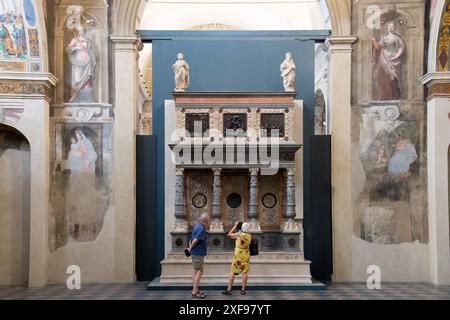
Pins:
x,y
288,69
181,71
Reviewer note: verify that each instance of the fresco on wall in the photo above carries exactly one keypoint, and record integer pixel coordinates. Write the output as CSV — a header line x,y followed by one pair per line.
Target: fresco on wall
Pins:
x,y
81,54
388,53
81,192
389,124
391,163
19,34
33,36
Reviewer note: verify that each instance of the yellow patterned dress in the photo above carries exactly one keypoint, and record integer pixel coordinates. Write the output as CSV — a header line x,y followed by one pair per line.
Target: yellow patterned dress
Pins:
x,y
241,259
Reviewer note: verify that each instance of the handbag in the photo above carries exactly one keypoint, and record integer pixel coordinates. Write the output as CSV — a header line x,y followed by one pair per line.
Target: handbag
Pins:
x,y
254,247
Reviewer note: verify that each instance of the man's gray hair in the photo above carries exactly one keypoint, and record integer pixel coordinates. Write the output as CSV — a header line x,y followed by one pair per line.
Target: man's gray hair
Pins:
x,y
204,217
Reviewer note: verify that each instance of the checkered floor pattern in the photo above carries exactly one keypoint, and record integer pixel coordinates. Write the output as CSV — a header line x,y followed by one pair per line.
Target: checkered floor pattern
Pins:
x,y
137,291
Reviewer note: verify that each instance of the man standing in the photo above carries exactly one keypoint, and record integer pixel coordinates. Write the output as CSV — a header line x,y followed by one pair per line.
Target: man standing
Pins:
x,y
198,247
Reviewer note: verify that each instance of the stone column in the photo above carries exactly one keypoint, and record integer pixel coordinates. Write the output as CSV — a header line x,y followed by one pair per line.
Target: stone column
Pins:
x,y
290,225
216,224
438,117
181,224
253,202
339,54
125,51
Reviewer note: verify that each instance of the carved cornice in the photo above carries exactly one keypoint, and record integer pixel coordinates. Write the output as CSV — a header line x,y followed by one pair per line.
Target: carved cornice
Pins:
x,y
127,43
339,45
438,84
27,85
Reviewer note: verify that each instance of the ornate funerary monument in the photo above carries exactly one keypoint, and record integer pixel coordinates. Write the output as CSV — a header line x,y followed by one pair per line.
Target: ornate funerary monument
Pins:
x,y
235,159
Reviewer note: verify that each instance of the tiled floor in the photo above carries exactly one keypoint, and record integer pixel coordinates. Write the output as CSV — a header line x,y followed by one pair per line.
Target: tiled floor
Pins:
x,y
136,291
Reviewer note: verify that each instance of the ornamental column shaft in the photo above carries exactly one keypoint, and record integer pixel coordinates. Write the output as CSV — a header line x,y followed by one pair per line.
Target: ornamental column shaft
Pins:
x,y
217,191
216,224
253,201
289,213
180,205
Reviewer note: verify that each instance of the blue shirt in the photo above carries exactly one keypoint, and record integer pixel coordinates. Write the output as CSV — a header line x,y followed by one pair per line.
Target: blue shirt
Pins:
x,y
201,235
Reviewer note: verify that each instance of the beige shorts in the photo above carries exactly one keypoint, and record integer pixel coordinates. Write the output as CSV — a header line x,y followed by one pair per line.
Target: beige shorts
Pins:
x,y
198,262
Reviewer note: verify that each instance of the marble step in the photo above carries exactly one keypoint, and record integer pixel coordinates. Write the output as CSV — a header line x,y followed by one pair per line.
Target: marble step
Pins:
x,y
266,268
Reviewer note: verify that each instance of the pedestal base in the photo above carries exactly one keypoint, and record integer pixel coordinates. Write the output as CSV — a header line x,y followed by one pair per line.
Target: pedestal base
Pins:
x,y
266,268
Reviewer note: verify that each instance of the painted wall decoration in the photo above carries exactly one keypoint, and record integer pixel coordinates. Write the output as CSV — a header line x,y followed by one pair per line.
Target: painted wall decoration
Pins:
x,y
33,36
13,66
81,56
19,34
389,124
390,159
388,53
444,41
81,192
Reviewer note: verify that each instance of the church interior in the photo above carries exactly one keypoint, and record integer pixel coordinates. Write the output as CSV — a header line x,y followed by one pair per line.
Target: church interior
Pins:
x,y
325,124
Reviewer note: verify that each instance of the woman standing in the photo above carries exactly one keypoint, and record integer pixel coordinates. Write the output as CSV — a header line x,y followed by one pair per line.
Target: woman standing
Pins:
x,y
241,259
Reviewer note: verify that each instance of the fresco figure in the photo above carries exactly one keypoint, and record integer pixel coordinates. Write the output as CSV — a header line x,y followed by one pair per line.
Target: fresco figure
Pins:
x,y
388,53
404,156
6,46
82,155
21,38
288,73
181,71
82,57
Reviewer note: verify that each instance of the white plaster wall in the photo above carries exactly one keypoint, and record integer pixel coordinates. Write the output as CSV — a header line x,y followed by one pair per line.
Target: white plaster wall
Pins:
x,y
96,259
438,193
406,262
14,216
170,127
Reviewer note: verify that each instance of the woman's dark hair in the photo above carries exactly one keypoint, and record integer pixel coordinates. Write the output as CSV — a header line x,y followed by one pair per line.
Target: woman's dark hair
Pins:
x,y
239,226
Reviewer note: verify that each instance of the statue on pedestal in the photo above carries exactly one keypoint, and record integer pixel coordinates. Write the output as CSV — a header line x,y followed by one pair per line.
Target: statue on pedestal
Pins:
x,y
181,71
288,70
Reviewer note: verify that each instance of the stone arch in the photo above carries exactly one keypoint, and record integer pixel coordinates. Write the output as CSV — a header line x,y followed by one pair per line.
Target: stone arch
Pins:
x,y
128,14
15,199
436,36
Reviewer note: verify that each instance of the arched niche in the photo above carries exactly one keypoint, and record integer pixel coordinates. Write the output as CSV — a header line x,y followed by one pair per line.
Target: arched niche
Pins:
x,y
23,47
15,166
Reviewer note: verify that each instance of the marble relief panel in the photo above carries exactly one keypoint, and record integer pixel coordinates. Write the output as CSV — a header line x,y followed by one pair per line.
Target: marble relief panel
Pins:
x,y
270,201
234,198
198,195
